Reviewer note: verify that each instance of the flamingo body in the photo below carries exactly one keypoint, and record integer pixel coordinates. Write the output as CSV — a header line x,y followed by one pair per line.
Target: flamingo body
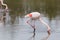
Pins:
x,y
33,15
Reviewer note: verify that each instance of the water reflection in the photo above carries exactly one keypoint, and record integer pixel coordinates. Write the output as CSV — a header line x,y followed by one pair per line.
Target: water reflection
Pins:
x,y
46,37
22,32
32,37
4,16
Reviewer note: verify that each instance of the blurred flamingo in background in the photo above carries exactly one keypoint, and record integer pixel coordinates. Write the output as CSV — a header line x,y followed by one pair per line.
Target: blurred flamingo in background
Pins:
x,y
4,4
2,17
36,16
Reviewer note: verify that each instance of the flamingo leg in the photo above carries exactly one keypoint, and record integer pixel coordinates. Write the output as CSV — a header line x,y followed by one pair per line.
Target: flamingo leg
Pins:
x,y
48,28
32,25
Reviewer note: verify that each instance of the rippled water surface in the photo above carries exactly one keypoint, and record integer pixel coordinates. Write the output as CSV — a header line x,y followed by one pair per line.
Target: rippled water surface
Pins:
x,y
22,31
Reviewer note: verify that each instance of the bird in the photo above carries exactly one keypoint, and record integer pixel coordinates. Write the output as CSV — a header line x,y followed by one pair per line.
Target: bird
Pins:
x,y
6,9
4,4
36,16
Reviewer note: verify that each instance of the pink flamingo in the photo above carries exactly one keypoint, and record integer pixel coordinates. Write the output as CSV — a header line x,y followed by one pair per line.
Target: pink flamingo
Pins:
x,y
36,16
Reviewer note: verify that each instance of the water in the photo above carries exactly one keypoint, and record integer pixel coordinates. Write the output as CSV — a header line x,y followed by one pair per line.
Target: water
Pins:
x,y
16,28
22,31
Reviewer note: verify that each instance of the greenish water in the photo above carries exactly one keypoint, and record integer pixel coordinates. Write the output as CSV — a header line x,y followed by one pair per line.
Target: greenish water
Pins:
x,y
21,7
15,27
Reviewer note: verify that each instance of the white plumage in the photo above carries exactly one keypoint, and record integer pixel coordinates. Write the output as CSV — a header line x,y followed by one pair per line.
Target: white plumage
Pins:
x,y
35,16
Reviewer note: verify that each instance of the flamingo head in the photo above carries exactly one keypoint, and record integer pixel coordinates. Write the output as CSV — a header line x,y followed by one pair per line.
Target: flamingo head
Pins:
x,y
28,15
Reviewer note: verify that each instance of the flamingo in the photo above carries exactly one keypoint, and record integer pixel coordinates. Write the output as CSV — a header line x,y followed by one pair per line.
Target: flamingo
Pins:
x,y
4,4
36,16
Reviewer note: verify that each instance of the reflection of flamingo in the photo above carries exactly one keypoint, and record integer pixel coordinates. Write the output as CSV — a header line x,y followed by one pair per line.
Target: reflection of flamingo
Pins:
x,y
32,37
45,38
4,4
1,20
36,16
